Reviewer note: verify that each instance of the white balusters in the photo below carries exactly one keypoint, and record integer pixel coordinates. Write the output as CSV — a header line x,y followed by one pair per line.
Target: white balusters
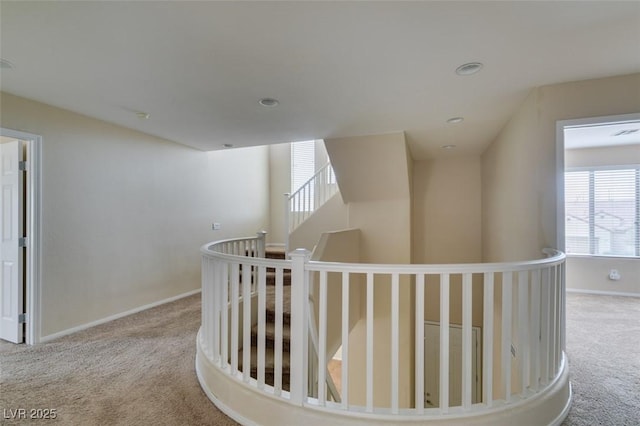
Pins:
x,y
345,340
534,331
246,321
557,319
507,294
531,316
545,326
309,197
553,318
224,322
262,313
444,343
278,326
523,329
369,343
234,284
322,338
467,306
419,344
487,340
395,341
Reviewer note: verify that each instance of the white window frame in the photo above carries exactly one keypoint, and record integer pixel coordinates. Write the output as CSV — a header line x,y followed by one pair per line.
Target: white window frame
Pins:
x,y
560,167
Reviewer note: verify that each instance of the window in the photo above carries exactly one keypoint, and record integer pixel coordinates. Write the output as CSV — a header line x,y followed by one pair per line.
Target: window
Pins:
x,y
302,169
602,208
302,163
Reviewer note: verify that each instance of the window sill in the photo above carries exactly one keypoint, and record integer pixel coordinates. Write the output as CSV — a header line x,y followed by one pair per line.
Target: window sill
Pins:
x,y
601,256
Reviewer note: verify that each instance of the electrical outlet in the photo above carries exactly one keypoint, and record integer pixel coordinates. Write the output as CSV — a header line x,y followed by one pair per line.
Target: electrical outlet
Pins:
x,y
216,226
614,275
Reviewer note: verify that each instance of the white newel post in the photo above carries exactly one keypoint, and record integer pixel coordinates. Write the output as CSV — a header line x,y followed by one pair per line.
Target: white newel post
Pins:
x,y
287,214
299,330
262,243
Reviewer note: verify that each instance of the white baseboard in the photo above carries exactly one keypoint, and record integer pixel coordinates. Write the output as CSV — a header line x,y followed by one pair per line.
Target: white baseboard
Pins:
x,y
602,293
116,316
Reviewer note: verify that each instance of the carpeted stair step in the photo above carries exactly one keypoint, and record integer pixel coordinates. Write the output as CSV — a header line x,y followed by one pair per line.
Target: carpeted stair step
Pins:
x,y
271,277
269,366
270,336
271,304
274,252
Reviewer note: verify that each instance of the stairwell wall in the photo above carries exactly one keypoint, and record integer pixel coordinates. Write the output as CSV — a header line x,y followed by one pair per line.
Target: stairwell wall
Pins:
x,y
374,176
331,216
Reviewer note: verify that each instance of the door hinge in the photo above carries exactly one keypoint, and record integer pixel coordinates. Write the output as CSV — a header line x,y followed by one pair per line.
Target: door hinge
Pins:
x,y
22,165
22,318
23,241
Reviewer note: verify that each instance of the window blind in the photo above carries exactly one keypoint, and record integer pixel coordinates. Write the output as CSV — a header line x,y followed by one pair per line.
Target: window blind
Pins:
x,y
302,163
602,211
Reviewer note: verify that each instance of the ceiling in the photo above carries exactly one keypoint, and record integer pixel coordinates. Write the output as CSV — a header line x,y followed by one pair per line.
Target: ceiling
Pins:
x,y
337,68
602,135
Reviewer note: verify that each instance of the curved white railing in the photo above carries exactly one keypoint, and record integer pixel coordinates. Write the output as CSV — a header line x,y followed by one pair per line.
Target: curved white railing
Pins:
x,y
510,354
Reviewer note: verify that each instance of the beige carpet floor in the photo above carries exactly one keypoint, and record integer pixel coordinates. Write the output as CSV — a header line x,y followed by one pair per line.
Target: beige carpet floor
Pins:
x,y
139,370
603,346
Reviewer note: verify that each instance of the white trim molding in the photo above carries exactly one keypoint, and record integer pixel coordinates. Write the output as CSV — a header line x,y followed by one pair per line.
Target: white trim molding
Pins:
x,y
602,293
33,226
81,327
560,167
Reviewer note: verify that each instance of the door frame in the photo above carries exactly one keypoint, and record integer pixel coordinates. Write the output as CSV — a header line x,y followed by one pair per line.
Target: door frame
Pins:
x,y
33,225
560,167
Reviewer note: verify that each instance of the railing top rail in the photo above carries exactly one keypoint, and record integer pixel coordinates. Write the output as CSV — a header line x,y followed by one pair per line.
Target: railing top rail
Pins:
x,y
206,247
208,251
308,182
555,257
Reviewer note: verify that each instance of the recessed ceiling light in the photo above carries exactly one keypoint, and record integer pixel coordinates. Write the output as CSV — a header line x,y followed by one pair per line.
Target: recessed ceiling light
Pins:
x,y
455,120
448,146
143,115
468,69
228,145
269,102
5,65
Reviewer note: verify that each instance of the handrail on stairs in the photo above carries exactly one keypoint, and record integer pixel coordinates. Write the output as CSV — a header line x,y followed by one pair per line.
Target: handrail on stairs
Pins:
x,y
301,204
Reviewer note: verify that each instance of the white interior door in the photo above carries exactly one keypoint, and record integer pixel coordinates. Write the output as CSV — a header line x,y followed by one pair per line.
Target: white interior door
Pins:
x,y
432,364
11,230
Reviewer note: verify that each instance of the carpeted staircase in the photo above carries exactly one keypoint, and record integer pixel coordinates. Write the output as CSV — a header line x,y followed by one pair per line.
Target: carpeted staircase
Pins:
x,y
272,252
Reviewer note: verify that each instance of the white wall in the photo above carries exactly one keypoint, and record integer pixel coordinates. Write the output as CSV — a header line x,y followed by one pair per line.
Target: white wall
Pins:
x,y
446,210
519,174
374,176
371,168
124,213
331,216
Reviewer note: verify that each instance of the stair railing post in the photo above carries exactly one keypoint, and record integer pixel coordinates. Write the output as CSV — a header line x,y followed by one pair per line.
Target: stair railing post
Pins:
x,y
262,244
299,325
287,219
